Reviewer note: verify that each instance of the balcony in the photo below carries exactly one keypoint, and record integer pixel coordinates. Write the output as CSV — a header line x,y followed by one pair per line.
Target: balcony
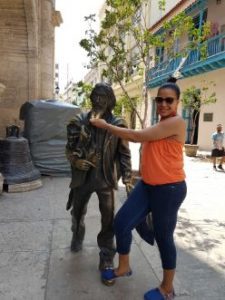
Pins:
x,y
193,65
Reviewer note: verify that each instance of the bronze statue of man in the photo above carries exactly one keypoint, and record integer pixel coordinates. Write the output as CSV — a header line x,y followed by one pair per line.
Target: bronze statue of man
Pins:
x,y
97,159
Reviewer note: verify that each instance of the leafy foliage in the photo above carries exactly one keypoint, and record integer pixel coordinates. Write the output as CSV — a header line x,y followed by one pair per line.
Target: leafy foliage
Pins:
x,y
162,5
125,47
195,98
83,91
123,105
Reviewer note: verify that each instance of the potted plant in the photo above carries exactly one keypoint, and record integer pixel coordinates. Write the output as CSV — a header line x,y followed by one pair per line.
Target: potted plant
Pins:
x,y
193,99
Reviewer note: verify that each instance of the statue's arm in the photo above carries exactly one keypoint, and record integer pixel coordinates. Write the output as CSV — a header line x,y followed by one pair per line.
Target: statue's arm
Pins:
x,y
124,158
74,147
125,161
125,165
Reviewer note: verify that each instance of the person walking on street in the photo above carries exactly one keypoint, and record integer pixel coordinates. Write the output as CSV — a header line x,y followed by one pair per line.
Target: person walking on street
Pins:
x,y
218,148
160,191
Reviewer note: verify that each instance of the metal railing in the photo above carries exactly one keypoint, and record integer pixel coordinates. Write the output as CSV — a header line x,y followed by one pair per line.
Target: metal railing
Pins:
x,y
215,45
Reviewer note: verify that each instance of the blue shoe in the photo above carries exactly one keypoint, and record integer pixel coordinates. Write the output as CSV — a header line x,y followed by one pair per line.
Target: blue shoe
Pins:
x,y
108,276
155,294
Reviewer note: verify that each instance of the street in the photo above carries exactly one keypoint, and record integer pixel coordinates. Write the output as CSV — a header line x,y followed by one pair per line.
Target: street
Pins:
x,y
36,262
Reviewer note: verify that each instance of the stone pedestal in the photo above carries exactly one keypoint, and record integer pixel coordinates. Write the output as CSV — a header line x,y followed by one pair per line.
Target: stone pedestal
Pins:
x,y
24,187
191,150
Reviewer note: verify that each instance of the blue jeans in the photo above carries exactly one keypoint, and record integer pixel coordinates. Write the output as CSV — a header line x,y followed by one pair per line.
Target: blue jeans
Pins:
x,y
163,201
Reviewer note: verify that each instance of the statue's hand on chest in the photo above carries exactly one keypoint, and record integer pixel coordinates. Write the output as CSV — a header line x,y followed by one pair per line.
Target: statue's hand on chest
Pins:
x,y
83,164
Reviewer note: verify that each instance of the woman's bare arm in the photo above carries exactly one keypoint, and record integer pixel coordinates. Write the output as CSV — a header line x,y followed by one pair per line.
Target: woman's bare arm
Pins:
x,y
171,127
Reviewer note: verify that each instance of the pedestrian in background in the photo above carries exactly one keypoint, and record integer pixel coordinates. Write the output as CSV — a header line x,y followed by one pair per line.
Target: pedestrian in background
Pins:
x,y
218,148
160,191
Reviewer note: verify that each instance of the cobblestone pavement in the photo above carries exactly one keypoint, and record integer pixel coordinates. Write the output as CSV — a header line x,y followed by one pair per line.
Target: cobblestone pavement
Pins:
x,y
200,233
36,263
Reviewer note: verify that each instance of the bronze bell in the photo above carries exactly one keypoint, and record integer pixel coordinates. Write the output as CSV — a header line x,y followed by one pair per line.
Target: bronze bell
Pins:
x,y
16,165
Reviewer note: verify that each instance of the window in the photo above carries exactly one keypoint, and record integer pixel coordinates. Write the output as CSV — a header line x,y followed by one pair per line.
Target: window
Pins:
x,y
208,117
159,53
222,28
198,23
196,19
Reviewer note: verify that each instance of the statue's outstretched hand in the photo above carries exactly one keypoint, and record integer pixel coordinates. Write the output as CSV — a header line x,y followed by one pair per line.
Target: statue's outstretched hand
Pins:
x,y
82,164
129,188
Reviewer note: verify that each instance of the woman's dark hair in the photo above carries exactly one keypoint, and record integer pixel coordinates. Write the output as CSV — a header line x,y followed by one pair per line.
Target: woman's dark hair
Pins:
x,y
171,84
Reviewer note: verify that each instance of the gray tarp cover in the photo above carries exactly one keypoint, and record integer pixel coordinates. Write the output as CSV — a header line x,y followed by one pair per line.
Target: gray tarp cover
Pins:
x,y
45,124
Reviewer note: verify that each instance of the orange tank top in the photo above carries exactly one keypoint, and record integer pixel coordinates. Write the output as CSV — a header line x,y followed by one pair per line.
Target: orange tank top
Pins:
x,y
162,162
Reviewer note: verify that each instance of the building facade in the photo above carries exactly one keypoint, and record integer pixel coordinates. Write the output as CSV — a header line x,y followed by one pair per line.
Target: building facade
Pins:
x,y
93,76
26,55
195,70
68,93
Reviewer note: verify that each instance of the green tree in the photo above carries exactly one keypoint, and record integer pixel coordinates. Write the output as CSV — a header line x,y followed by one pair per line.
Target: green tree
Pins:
x,y
194,99
124,109
126,21
82,92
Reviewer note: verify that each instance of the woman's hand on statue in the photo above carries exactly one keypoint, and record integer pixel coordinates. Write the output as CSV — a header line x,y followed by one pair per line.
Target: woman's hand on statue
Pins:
x,y
129,188
100,123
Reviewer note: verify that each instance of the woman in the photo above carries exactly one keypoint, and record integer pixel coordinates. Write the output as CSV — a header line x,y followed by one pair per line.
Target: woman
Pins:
x,y
160,191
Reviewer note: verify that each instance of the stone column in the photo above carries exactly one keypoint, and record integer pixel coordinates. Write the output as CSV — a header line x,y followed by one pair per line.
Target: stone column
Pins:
x,y
47,44
31,13
13,61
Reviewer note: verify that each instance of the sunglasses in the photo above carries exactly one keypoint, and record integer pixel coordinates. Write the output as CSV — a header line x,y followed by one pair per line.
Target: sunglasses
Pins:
x,y
160,100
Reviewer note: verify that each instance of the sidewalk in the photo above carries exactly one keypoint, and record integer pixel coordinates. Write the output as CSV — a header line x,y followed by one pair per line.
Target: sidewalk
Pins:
x,y
35,259
36,262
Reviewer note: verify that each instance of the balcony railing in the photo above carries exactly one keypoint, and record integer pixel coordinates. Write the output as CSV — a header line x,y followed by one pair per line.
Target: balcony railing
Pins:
x,y
194,64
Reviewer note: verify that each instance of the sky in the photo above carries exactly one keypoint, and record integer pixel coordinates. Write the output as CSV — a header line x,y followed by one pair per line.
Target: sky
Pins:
x,y
68,53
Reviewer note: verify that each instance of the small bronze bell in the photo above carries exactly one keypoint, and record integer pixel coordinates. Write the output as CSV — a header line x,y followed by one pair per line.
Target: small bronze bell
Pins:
x,y
15,162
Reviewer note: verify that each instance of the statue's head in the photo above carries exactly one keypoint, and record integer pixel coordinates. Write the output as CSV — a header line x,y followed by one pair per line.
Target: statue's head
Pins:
x,y
103,99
